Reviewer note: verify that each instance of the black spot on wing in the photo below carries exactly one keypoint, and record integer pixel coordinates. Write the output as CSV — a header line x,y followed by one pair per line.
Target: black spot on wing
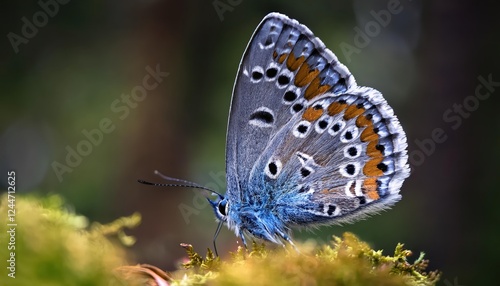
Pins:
x,y
262,115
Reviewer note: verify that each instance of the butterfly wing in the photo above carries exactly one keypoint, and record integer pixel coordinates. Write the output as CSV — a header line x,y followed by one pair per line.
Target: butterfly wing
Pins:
x,y
305,137
340,160
283,68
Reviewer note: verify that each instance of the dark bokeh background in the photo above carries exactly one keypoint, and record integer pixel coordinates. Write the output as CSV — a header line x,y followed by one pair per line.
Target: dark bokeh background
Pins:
x,y
66,76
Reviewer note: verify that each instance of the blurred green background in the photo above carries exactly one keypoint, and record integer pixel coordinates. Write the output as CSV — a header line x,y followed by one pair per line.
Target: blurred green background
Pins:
x,y
69,67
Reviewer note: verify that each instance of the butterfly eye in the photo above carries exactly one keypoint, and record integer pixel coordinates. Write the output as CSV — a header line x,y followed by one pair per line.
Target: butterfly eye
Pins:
x,y
223,207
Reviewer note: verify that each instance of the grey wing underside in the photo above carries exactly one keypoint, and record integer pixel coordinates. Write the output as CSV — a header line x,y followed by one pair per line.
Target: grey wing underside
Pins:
x,y
340,160
304,136
284,68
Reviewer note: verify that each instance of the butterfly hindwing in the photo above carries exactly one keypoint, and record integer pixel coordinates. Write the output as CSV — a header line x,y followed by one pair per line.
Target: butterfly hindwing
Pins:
x,y
342,158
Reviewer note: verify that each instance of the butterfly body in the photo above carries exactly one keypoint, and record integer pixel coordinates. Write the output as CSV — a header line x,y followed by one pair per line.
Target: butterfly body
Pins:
x,y
306,145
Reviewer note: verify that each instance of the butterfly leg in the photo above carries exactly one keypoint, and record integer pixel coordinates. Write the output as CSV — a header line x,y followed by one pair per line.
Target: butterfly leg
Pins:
x,y
215,237
243,240
287,238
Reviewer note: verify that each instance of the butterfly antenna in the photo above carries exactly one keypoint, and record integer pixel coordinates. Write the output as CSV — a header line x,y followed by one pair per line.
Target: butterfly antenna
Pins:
x,y
183,183
167,178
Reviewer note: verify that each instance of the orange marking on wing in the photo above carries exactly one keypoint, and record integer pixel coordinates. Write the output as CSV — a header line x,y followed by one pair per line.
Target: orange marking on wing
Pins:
x,y
282,58
370,169
305,75
314,89
353,111
370,186
362,121
336,107
372,151
275,55
368,134
294,63
312,114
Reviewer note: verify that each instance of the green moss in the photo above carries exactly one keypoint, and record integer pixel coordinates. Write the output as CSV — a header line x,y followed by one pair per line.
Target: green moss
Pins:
x,y
347,261
54,246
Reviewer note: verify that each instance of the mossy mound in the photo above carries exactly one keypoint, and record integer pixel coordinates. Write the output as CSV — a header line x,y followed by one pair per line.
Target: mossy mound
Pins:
x,y
54,246
346,261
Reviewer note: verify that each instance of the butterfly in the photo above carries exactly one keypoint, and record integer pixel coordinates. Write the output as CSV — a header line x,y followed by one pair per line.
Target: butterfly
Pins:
x,y
306,146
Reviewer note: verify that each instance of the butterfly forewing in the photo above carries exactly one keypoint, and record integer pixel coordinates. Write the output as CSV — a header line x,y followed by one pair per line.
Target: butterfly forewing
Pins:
x,y
283,70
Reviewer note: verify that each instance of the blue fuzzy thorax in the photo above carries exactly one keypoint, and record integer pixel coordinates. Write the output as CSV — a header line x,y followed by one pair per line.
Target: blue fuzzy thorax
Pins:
x,y
256,218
